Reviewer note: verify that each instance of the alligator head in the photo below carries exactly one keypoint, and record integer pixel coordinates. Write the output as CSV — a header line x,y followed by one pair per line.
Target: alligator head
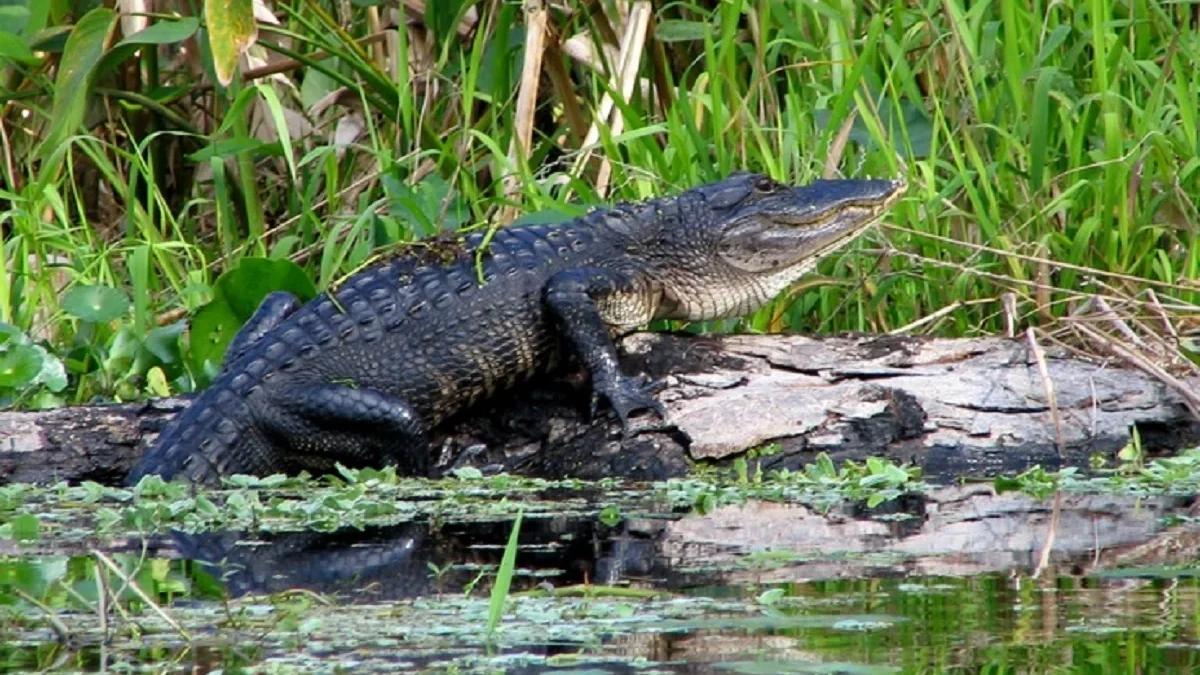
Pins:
x,y
726,249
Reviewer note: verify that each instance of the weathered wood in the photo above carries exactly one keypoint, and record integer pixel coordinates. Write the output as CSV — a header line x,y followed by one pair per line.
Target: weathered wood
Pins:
x,y
967,406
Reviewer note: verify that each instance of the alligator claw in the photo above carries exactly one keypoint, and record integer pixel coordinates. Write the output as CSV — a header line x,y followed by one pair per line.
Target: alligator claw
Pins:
x,y
628,395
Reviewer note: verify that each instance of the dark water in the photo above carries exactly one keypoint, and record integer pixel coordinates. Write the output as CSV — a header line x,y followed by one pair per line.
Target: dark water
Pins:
x,y
940,584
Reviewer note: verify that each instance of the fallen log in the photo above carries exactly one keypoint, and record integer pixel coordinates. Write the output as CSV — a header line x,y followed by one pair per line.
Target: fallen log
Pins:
x,y
954,407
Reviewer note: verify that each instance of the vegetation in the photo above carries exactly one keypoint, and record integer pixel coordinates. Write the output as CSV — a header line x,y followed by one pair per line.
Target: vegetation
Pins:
x,y
367,498
149,175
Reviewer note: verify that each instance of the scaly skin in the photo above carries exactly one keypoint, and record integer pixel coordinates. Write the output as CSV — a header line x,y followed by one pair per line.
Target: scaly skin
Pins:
x,y
359,375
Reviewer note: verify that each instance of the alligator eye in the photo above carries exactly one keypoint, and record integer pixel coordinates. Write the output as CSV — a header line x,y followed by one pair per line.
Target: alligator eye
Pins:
x,y
764,184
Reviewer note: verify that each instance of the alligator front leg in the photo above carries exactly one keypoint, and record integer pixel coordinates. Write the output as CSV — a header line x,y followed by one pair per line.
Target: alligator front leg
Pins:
x,y
575,298
357,426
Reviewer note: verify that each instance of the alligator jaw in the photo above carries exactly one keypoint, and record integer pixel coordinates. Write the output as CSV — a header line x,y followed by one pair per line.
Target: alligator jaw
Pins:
x,y
846,223
787,231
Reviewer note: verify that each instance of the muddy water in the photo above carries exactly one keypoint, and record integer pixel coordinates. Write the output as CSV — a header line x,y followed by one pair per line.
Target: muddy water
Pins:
x,y
955,580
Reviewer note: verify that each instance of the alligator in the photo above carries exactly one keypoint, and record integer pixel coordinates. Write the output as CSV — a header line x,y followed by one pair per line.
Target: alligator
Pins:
x,y
362,372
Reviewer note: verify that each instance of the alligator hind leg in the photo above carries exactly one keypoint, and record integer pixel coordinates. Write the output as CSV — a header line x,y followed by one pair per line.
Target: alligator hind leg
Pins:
x,y
360,427
271,312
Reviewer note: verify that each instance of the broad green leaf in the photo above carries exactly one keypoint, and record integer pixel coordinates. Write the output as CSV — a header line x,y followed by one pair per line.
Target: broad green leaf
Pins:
x,y
245,286
164,32
10,333
95,303
610,516
231,31
158,33
317,85
771,596
135,352
124,348
14,48
19,365
83,51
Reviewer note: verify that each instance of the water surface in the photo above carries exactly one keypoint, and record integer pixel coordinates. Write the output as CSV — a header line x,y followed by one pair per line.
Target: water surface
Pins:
x,y
952,580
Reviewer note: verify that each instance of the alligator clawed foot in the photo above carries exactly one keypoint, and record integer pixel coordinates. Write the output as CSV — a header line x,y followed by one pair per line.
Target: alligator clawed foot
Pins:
x,y
628,395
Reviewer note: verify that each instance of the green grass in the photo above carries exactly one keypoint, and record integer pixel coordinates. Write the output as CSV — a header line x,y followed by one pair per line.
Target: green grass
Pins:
x,y
1052,151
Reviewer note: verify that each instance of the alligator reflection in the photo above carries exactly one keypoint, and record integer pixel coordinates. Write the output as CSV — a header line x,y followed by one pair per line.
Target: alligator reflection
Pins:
x,y
947,532
416,559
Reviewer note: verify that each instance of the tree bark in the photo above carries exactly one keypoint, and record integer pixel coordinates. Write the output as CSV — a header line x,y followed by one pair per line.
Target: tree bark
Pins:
x,y
965,406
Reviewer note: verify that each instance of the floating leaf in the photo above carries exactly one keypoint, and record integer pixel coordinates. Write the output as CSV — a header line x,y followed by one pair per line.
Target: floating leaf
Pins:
x,y
26,527
610,516
771,596
768,667
95,303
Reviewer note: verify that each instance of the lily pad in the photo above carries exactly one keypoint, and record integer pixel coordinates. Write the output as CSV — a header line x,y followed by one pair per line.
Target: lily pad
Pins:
x,y
95,303
19,365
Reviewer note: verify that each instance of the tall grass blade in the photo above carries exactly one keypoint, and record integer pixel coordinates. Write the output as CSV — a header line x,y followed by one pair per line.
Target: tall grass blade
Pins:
x,y
504,575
